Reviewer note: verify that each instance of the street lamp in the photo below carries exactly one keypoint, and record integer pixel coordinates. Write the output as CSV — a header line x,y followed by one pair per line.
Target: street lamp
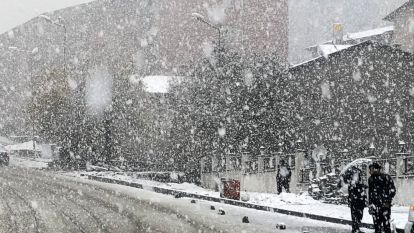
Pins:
x,y
202,19
30,55
59,23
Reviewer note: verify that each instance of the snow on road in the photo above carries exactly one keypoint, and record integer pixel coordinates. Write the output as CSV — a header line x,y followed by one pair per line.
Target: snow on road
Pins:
x,y
300,203
260,221
38,201
288,201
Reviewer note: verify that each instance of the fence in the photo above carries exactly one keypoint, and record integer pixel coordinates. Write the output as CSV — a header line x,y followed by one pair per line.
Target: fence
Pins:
x,y
309,172
408,166
269,164
389,166
246,163
234,162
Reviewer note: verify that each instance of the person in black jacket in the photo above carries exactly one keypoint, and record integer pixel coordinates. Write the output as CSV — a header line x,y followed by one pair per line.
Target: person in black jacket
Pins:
x,y
283,177
381,192
357,198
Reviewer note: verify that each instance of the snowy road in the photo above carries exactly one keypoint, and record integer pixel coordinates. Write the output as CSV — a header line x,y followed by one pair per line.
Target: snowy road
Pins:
x,y
37,201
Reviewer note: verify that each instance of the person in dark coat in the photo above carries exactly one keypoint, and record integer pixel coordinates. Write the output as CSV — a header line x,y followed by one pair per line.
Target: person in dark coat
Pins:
x,y
381,192
357,199
283,177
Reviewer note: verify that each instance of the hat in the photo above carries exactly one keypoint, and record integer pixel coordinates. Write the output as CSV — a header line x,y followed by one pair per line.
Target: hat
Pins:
x,y
375,166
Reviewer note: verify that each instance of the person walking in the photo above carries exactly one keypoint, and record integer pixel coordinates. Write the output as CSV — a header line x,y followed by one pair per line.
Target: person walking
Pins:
x,y
381,192
283,177
357,199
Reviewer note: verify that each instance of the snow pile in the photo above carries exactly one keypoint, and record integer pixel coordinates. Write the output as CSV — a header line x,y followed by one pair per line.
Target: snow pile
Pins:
x,y
287,201
274,200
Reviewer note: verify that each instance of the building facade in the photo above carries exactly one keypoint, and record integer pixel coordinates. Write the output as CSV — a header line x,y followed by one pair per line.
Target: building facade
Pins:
x,y
403,19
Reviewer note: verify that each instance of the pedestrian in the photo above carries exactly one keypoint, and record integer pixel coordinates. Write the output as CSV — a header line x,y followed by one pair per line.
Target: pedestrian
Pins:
x,y
283,177
357,199
381,192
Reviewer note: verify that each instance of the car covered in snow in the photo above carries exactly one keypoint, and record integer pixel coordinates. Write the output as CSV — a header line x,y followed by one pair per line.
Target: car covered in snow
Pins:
x,y
409,227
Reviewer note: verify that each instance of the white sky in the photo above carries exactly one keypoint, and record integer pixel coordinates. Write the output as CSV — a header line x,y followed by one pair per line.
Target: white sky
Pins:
x,y
16,12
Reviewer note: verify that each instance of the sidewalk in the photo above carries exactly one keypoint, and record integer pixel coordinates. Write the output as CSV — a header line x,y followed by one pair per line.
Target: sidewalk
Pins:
x,y
286,201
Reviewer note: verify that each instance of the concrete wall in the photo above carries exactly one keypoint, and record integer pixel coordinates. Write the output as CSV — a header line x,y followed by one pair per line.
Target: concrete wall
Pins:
x,y
265,181
261,181
405,191
256,182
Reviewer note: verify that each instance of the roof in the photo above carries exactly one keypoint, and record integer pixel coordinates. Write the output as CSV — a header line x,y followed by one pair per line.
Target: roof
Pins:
x,y
351,36
332,51
5,141
23,146
353,47
368,33
409,5
327,49
156,83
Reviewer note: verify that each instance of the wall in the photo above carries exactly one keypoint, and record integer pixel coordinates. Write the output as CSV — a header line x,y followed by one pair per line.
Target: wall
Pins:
x,y
262,181
405,194
256,182
404,32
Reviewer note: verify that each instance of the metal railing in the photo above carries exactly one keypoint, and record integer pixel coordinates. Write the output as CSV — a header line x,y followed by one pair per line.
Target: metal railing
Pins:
x,y
389,166
289,158
304,176
269,164
252,166
234,162
409,166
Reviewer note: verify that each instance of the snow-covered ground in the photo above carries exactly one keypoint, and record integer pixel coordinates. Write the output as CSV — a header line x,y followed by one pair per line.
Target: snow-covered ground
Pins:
x,y
260,221
301,203
288,201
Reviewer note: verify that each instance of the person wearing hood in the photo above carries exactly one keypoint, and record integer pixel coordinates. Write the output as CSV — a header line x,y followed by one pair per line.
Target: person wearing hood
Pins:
x,y
381,192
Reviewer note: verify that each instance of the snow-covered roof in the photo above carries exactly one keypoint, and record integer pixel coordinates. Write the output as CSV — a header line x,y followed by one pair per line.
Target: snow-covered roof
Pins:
x,y
351,36
23,146
5,141
156,83
304,62
327,49
338,49
368,33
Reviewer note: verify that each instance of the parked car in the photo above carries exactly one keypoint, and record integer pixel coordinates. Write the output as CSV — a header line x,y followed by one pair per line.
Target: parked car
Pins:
x,y
4,158
409,227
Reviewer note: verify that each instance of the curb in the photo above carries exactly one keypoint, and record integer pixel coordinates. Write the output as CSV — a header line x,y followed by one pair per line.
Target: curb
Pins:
x,y
234,202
